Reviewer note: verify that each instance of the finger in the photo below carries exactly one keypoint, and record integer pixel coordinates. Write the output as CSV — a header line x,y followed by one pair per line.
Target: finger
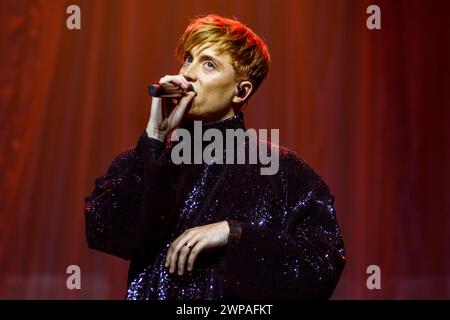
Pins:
x,y
187,98
169,252
170,80
166,260
156,110
176,80
199,246
170,256
180,82
184,254
186,83
178,112
176,247
173,257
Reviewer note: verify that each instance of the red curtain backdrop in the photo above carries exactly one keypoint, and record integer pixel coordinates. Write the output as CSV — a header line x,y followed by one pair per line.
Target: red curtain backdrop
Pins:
x,y
368,109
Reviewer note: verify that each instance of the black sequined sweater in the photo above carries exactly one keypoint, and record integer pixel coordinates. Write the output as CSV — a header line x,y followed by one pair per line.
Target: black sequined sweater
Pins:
x,y
284,240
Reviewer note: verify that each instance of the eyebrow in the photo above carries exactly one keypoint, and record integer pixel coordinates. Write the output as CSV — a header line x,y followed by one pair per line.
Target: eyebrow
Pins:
x,y
207,57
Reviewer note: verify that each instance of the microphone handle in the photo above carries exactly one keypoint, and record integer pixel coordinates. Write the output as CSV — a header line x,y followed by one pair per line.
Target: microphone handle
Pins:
x,y
169,90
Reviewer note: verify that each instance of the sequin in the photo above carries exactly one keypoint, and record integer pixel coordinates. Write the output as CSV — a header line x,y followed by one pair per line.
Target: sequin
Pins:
x,y
284,240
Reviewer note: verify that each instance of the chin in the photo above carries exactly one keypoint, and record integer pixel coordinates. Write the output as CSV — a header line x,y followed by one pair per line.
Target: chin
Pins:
x,y
201,113
195,114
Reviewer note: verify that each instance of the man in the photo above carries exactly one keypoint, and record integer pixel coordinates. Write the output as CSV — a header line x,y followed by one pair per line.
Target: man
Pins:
x,y
215,230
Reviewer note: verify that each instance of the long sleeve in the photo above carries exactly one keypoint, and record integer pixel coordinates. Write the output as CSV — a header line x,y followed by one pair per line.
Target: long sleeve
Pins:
x,y
303,259
121,211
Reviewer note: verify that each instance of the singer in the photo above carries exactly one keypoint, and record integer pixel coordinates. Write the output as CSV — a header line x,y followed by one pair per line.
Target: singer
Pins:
x,y
215,230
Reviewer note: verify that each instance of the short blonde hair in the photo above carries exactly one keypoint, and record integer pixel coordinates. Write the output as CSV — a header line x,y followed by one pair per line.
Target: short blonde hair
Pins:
x,y
249,54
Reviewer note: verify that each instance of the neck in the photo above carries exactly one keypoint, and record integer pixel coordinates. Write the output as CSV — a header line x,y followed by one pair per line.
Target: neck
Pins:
x,y
233,122
195,136
211,117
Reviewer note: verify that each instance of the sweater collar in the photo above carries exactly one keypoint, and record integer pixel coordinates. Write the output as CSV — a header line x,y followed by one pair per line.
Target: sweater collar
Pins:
x,y
234,122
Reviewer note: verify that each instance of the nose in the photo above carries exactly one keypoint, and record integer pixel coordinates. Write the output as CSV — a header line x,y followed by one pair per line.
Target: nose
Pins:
x,y
189,72
188,77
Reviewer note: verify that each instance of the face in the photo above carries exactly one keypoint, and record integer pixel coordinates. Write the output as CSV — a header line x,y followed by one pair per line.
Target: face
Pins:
x,y
214,80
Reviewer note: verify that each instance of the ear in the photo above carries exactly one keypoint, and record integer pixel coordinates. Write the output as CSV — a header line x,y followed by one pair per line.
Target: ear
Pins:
x,y
242,94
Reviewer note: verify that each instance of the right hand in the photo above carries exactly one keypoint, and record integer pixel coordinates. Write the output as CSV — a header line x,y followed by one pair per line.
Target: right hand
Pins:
x,y
161,122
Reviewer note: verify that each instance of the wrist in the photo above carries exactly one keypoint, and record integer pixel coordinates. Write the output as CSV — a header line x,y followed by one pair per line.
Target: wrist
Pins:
x,y
156,134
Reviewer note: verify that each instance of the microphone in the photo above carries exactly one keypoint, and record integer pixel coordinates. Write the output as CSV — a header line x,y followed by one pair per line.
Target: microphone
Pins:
x,y
168,90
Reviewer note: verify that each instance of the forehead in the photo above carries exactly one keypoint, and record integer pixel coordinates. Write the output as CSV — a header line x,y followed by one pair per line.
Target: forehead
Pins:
x,y
211,49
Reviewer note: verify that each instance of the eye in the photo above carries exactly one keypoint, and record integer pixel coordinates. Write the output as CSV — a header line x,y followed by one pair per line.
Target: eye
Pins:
x,y
209,65
187,58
